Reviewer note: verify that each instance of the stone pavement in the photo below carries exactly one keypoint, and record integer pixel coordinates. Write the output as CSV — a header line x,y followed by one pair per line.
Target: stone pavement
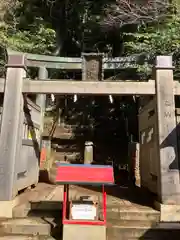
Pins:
x,y
129,212
117,196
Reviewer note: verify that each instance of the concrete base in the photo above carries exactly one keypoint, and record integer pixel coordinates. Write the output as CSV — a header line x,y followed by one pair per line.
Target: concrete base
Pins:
x,y
83,232
168,213
27,227
10,237
6,208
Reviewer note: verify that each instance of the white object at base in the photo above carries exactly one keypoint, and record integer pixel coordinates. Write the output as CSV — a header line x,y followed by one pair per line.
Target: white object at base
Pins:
x,y
83,212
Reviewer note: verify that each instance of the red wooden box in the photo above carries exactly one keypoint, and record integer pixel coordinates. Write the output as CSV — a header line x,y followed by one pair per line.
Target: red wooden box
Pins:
x,y
83,174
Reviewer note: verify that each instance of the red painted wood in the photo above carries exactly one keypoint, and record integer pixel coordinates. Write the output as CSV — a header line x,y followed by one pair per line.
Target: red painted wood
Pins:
x,y
99,223
104,204
43,154
75,174
65,200
65,219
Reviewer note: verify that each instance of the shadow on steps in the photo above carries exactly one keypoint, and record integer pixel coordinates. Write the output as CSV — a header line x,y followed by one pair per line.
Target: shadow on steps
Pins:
x,y
161,234
51,213
134,195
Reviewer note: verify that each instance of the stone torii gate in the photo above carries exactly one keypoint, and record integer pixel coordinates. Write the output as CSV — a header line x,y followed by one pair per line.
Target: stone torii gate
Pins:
x,y
16,85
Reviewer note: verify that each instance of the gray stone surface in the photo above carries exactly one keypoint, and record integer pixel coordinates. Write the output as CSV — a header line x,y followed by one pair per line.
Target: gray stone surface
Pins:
x,y
132,215
169,213
27,226
10,237
168,175
9,137
126,207
86,232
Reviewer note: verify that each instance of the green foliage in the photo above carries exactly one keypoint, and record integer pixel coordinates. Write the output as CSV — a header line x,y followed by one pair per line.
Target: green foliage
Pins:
x,y
40,40
3,44
3,34
22,29
150,41
160,39
31,26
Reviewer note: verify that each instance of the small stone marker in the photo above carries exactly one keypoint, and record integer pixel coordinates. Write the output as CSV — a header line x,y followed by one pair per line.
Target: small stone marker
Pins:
x,y
92,67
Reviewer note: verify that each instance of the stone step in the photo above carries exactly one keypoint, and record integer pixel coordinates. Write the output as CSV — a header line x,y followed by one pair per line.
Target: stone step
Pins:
x,y
155,233
19,237
59,131
132,214
32,229
131,223
27,226
70,156
47,208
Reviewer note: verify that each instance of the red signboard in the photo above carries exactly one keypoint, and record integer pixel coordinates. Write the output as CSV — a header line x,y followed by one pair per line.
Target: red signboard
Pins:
x,y
84,174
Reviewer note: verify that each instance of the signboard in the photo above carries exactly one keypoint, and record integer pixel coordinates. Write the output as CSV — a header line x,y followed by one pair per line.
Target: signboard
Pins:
x,y
83,212
92,67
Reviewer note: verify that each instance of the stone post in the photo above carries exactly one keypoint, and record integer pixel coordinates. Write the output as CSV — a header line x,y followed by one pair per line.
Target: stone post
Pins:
x,y
92,70
11,118
168,173
134,165
92,67
88,153
41,98
45,143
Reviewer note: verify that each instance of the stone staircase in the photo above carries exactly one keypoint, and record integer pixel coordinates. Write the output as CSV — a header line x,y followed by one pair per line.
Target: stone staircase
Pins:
x,y
130,223
67,151
25,228
126,219
53,129
64,141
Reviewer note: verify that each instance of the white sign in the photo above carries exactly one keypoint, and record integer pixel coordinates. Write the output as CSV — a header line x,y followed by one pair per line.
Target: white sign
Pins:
x,y
83,212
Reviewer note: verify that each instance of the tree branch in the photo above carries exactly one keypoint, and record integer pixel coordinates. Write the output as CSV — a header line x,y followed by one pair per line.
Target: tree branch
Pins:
x,y
125,12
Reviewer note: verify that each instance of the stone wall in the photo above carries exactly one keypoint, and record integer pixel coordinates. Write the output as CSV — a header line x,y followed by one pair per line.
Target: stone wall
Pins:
x,y
148,146
148,133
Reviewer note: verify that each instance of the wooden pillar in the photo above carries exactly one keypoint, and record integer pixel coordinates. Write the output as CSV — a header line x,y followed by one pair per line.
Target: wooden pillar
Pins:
x,y
11,118
168,177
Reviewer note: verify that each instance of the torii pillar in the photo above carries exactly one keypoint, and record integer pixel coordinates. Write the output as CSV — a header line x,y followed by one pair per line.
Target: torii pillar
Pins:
x,y
168,167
